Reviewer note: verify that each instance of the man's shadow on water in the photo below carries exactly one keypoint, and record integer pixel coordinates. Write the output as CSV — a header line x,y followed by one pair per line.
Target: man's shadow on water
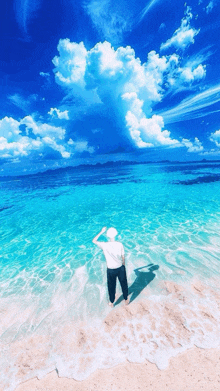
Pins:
x,y
141,281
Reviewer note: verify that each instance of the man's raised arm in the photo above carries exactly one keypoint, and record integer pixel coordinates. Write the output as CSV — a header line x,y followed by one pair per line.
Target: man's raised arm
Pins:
x,y
95,240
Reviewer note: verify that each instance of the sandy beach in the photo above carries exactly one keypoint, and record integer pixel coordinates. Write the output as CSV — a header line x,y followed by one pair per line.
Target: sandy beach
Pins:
x,y
196,369
166,345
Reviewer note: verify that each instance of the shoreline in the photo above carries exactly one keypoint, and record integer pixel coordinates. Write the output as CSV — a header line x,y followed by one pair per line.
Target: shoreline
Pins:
x,y
195,369
159,340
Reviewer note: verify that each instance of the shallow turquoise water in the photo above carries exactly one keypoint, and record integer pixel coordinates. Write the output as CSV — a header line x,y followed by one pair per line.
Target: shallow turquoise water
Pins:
x,y
46,231
166,215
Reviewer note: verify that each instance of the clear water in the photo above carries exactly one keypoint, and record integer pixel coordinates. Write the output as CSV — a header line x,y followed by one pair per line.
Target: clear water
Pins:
x,y
51,274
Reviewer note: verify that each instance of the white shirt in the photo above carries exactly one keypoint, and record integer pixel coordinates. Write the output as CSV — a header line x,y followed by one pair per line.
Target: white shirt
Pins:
x,y
113,252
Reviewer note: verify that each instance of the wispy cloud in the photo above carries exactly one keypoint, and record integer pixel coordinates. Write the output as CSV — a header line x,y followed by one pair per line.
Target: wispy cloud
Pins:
x,y
21,102
209,7
46,75
114,18
24,11
147,8
193,107
111,18
81,146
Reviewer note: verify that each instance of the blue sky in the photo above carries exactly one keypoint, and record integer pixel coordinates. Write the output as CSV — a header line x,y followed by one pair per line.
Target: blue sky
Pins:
x,y
98,80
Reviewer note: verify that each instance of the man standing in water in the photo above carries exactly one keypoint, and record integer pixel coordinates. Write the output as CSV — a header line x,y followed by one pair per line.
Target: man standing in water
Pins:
x,y
115,258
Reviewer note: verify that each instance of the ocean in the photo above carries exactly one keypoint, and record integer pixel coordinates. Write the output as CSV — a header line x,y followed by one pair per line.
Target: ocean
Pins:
x,y
54,311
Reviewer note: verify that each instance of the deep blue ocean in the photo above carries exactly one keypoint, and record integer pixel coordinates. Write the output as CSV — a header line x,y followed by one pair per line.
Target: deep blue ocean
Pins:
x,y
53,277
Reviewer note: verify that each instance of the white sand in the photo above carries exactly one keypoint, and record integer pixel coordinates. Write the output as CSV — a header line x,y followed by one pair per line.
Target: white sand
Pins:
x,y
181,320
193,370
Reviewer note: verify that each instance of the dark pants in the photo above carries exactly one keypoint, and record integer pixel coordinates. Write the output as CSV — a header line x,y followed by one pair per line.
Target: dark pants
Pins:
x,y
112,274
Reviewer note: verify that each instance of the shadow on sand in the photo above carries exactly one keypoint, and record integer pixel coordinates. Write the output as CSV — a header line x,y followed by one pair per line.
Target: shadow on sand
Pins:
x,y
141,281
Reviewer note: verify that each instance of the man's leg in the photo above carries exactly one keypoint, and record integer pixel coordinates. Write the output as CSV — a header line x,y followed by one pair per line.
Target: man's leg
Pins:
x,y
123,281
111,279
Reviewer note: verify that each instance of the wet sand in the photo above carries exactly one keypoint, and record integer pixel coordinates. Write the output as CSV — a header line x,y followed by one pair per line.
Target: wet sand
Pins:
x,y
195,369
179,331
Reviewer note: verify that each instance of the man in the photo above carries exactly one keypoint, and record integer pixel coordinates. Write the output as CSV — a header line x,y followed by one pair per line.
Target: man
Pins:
x,y
115,258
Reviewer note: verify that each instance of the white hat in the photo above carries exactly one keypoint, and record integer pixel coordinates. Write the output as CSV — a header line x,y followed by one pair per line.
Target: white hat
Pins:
x,y
111,233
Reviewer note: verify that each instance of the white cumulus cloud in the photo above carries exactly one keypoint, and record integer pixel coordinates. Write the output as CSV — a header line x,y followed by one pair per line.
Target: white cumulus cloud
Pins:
x,y
119,78
195,146
71,63
38,136
42,129
215,137
146,132
56,113
189,75
183,36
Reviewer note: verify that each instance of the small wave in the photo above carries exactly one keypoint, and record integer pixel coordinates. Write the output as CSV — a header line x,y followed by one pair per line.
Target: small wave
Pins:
x,y
154,328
